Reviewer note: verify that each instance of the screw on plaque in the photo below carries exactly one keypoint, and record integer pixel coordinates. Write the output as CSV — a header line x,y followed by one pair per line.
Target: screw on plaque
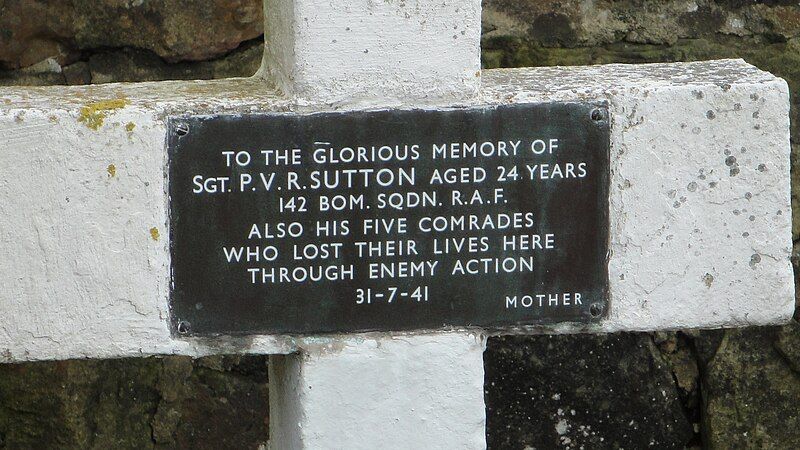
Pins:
x,y
596,309
183,327
181,129
598,115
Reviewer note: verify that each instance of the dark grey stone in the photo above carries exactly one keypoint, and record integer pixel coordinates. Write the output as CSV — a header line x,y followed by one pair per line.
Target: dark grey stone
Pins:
x,y
582,391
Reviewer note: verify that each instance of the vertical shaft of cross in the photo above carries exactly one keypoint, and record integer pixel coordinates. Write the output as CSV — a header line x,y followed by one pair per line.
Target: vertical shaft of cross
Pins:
x,y
414,391
382,391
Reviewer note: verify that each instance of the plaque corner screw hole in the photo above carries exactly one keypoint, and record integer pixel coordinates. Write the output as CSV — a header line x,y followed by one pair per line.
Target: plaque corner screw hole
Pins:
x,y
596,309
181,129
598,115
183,327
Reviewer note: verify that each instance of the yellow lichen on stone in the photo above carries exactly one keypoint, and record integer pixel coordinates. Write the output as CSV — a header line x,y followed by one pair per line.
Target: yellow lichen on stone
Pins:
x,y
112,170
154,233
130,126
93,114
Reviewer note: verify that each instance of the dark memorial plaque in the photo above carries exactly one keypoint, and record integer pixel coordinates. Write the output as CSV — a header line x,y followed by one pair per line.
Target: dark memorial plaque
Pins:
x,y
389,220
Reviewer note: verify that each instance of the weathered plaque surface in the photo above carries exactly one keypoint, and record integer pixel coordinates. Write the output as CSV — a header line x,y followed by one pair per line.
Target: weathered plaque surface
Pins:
x,y
389,220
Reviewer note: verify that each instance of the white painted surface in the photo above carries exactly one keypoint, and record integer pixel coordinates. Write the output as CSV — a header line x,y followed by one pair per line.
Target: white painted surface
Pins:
x,y
382,392
84,278
363,52
403,392
692,245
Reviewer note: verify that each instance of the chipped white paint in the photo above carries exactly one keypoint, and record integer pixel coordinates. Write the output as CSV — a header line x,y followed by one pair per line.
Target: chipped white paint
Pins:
x,y
700,191
368,52
81,276
701,209
421,391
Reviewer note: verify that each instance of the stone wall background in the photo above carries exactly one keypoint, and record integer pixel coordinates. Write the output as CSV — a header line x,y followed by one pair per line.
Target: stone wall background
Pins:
x,y
689,389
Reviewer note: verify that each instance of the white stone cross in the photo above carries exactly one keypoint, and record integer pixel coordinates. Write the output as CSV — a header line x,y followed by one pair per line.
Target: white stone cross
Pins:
x,y
700,213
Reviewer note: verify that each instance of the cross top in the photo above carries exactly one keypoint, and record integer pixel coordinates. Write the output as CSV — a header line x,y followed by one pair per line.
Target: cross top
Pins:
x,y
368,52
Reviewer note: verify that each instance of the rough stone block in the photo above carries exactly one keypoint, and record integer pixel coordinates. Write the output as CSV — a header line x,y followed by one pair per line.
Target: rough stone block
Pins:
x,y
605,391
